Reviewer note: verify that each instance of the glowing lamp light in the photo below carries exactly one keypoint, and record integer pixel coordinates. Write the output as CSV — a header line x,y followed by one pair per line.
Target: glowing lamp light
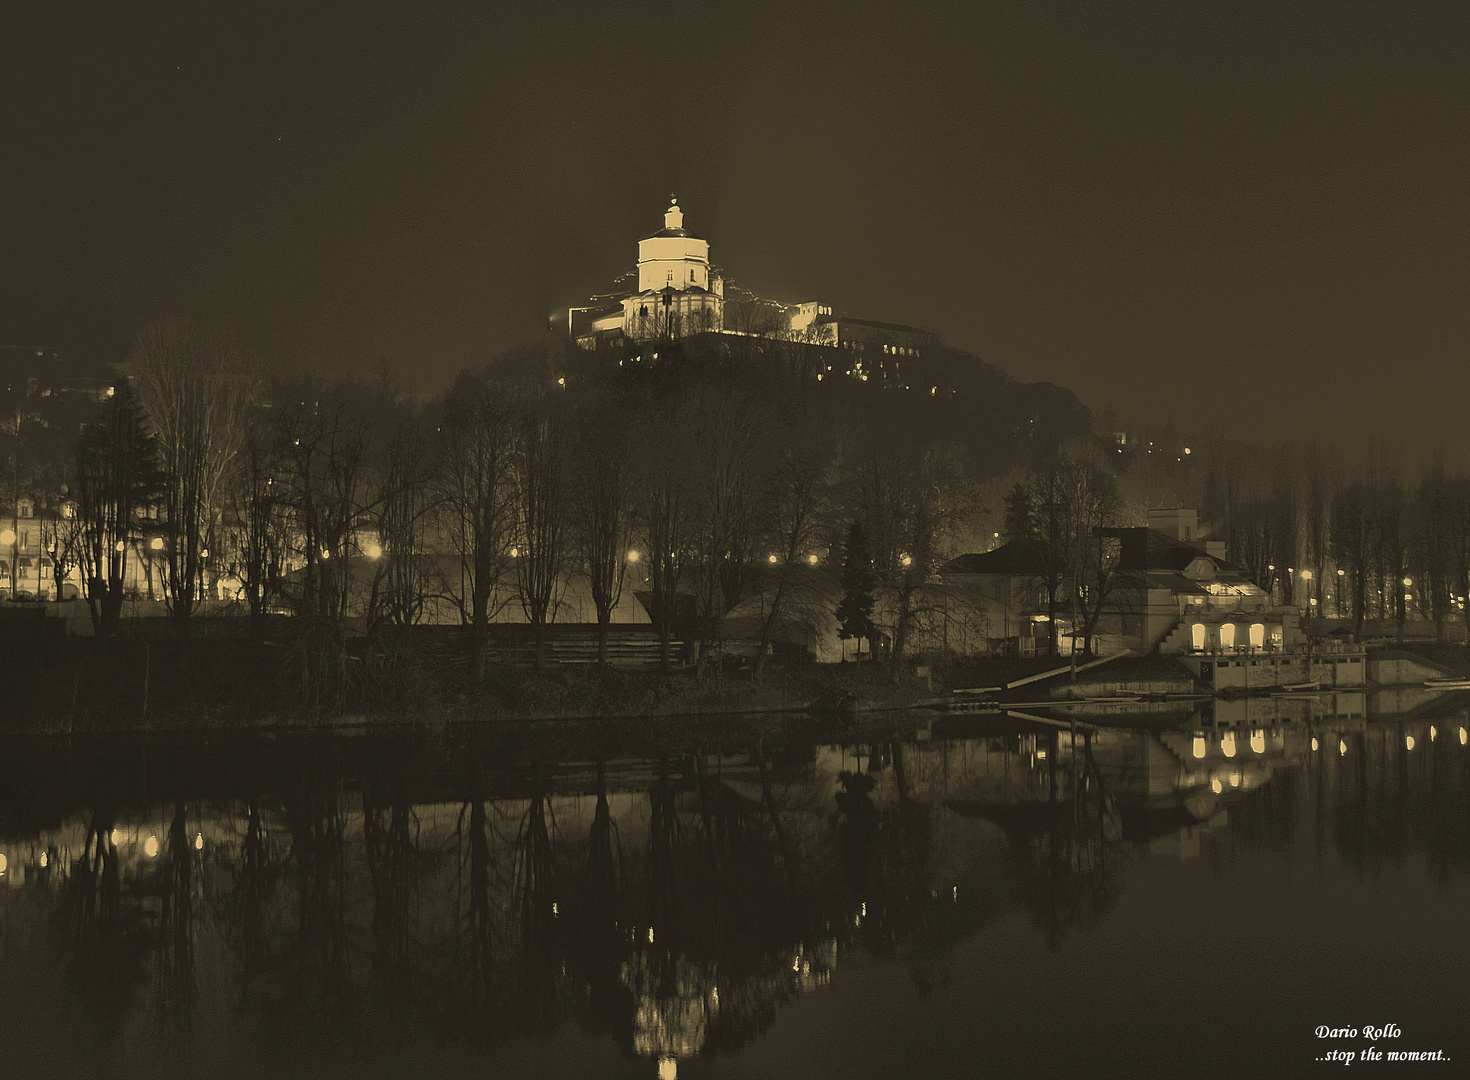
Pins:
x,y
150,847
119,545
373,551
1216,786
1462,736
772,559
1199,746
1306,575
633,556
812,559
156,544
907,560
561,382
1432,733
199,842
1187,451
1314,742
45,860
1408,742
515,553
4,862
1341,746
115,836
326,554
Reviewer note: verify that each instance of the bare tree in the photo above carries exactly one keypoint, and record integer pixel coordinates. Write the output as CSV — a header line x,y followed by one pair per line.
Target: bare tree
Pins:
x,y
663,519
600,479
798,497
193,386
259,528
321,445
1352,543
727,434
476,505
61,542
539,474
402,505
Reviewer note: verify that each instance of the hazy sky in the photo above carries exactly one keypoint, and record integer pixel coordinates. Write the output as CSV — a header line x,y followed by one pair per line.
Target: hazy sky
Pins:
x,y
1257,213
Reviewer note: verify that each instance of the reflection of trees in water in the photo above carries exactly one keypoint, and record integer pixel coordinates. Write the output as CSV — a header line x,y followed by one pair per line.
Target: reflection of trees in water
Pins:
x,y
598,917
1066,858
1441,813
536,905
175,999
316,819
249,906
1383,802
105,940
395,870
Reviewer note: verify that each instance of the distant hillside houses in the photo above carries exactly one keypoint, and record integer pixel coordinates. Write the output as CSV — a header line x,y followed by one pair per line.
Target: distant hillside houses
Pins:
x,y
680,294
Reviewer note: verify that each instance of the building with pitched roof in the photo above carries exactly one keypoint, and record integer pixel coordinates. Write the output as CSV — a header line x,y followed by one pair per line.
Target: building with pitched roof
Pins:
x,y
1169,591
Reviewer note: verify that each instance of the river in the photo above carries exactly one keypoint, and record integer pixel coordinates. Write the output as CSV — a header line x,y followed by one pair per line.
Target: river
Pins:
x,y
960,895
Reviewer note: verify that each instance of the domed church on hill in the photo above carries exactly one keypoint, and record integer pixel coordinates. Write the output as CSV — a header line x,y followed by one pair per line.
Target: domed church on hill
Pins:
x,y
680,295
677,294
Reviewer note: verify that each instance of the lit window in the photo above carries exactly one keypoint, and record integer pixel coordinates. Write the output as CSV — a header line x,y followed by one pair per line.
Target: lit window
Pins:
x,y
1198,635
1258,635
1227,635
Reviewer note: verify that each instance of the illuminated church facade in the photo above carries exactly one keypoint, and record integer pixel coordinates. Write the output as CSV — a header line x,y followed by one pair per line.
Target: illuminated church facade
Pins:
x,y
679,294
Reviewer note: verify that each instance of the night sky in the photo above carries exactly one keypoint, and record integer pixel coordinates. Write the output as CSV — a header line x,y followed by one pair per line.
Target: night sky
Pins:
x,y
1249,218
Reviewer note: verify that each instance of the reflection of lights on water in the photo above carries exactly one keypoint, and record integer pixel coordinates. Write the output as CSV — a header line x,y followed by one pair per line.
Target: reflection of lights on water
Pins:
x,y
1216,786
956,894
116,837
1199,746
1342,746
199,842
1235,779
150,846
1408,742
1258,742
1041,755
1314,742
864,912
668,1067
650,935
1227,744
554,909
45,859
1432,733
1462,736
4,862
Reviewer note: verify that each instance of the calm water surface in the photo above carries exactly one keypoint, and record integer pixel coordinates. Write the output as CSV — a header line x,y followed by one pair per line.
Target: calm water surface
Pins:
x,y
980,896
